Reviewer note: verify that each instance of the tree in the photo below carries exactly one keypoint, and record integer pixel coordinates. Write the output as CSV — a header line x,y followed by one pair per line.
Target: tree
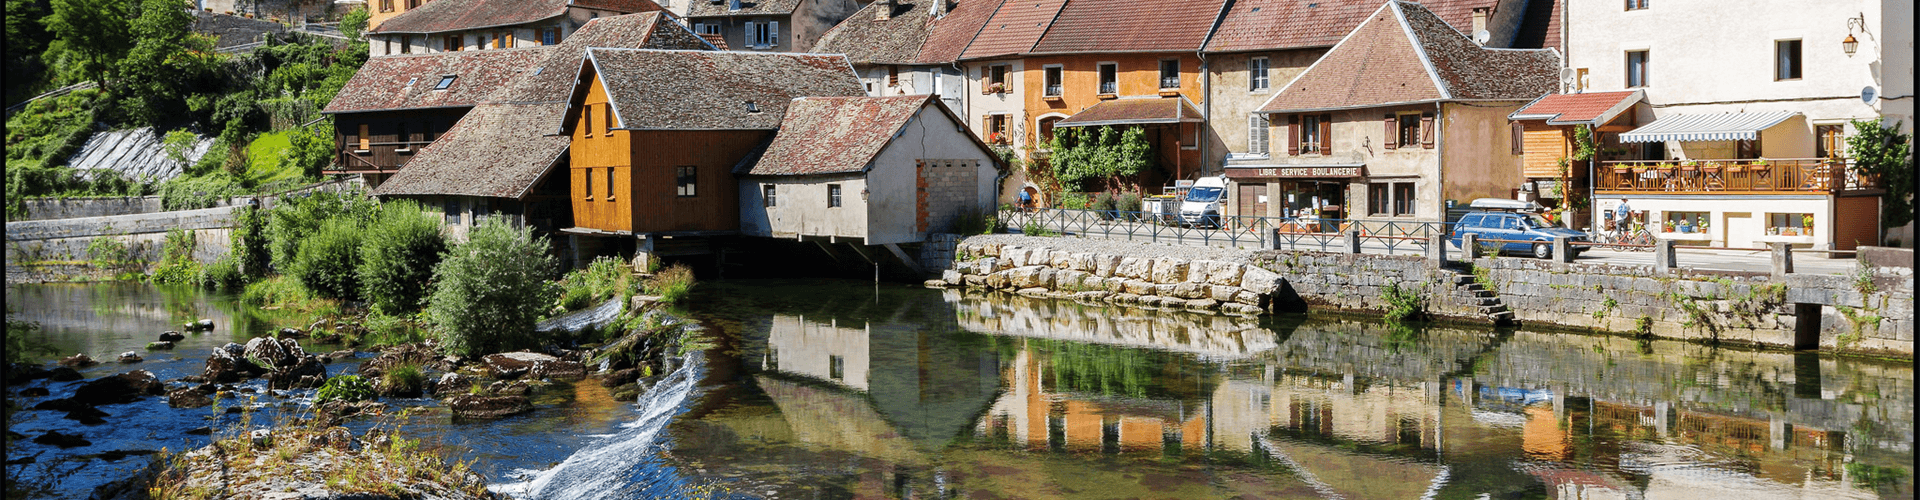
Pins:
x,y
166,61
95,33
27,38
1117,157
489,291
1883,152
398,255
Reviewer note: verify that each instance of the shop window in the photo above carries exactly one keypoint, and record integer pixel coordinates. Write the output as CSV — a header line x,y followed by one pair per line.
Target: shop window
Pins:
x,y
1790,224
1686,222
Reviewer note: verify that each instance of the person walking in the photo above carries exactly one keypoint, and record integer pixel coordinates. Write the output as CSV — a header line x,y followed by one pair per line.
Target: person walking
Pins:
x,y
1622,219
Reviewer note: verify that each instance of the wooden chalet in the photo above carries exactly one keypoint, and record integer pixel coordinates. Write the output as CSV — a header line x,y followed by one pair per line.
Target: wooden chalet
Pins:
x,y
1545,132
397,105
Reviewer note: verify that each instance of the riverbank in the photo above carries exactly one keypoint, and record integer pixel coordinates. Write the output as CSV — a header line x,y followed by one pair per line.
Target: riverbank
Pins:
x,y
1869,311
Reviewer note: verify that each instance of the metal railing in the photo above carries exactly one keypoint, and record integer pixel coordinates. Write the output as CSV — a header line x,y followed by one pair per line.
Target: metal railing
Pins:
x,y
1109,87
1733,175
1287,233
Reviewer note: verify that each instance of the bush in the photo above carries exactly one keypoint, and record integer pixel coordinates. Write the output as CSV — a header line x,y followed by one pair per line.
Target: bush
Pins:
x,y
176,259
222,273
672,283
404,379
604,279
344,388
193,193
297,217
248,244
488,291
397,257
327,261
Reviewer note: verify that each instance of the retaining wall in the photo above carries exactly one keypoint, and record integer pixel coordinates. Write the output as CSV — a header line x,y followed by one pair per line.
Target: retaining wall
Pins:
x,y
143,234
69,208
1169,283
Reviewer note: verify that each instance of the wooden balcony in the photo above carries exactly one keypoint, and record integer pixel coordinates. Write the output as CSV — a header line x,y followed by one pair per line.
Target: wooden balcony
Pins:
x,y
1732,176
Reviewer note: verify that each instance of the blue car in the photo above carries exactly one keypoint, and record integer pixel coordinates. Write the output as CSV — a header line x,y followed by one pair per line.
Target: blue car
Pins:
x,y
1525,232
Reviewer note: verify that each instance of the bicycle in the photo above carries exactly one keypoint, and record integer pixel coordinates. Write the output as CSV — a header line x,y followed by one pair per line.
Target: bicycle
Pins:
x,y
1639,238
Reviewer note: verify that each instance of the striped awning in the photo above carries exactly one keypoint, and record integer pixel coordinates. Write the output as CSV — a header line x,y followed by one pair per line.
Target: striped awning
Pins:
x,y
1714,127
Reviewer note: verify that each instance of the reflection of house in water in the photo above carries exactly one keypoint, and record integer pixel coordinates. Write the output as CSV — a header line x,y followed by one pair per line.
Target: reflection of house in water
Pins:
x,y
927,385
1090,397
1209,336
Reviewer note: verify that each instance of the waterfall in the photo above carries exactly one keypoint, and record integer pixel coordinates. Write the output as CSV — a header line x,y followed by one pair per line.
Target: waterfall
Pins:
x,y
625,465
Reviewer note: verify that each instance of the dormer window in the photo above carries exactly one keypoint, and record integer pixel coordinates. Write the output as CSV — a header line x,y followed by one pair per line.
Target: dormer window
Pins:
x,y
752,108
733,5
445,81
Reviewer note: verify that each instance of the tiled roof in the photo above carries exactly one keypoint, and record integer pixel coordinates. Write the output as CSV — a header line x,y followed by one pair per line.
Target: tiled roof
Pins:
x,y
718,41
832,135
951,33
500,148
1134,111
1129,26
440,16
865,38
1379,64
493,151
389,83
1294,24
1013,29
1595,108
709,8
698,90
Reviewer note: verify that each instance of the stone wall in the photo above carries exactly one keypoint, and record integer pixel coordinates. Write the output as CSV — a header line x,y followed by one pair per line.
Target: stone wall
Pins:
x,y
69,208
1163,282
67,239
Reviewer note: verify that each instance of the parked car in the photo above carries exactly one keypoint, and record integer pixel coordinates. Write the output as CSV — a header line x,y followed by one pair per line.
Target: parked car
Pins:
x,y
1511,220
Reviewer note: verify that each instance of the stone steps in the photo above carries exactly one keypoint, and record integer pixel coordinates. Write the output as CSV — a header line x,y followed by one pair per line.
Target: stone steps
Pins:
x,y
1475,295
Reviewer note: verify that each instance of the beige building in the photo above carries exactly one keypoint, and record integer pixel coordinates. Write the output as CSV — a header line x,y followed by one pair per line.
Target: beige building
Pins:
x,y
456,25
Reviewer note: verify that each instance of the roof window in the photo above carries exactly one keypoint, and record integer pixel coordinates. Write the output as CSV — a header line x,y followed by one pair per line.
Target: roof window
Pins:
x,y
411,80
445,81
752,108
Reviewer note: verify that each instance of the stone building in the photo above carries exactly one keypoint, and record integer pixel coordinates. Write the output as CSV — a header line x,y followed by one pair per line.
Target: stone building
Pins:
x,y
456,25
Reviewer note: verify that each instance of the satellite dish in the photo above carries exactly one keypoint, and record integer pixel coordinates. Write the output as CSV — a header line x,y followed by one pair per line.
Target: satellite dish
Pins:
x,y
1868,93
1481,37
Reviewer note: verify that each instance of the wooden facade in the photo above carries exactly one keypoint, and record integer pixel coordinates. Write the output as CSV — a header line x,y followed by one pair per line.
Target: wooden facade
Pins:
x,y
381,142
628,180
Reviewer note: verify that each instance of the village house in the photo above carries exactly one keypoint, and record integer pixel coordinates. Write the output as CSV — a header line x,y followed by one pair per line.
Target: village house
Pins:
x,y
908,47
379,11
876,171
500,159
457,25
397,105
769,25
1548,132
996,75
1748,112
656,135
1261,45
1403,115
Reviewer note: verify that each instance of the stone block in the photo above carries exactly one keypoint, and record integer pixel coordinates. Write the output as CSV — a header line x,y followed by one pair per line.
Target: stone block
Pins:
x,y
1189,290
1260,280
1224,273
1172,302
1202,304
1071,280
1138,287
1043,277
1169,270
1124,298
1133,268
975,280
1082,261
951,277
1222,293
990,249
1093,296
1246,297
1060,259
1240,309
1113,284
1104,265
997,280
1035,292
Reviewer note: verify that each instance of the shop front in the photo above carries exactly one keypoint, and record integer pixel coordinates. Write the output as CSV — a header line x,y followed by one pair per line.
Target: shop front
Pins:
x,y
1305,198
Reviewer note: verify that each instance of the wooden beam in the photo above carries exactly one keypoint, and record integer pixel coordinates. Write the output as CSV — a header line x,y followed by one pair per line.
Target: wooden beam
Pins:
x,y
911,264
828,249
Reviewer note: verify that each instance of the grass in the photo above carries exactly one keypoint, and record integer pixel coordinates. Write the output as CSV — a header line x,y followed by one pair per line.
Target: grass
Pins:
x,y
671,284
604,279
389,465
285,293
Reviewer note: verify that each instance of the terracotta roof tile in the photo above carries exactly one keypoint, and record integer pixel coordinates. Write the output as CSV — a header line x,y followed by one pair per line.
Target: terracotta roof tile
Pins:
x,y
831,135
709,8
1134,111
554,83
865,38
953,32
1130,26
1593,108
1013,29
1378,64
1293,24
389,83
698,90
440,16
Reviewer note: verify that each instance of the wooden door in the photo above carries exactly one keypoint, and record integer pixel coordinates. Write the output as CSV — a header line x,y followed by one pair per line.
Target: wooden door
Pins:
x,y
1253,200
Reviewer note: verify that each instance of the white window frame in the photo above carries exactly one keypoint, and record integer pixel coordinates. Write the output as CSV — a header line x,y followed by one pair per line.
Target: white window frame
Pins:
x,y
763,35
1259,74
1098,74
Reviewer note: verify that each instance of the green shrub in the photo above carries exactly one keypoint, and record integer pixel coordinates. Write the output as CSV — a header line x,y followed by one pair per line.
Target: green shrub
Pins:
x,y
176,259
222,273
192,193
1127,202
488,291
327,261
344,388
248,243
397,257
1403,303
108,253
403,379
1074,201
297,217
604,279
672,283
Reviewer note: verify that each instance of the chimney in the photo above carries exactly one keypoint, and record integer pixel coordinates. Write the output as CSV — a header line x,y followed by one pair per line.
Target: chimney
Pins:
x,y
886,11
1479,22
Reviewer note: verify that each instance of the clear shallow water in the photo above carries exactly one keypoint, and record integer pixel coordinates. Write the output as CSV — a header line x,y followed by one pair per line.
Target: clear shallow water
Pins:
x,y
831,389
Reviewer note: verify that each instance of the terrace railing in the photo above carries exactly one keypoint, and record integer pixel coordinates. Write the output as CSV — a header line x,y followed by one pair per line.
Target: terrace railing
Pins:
x,y
1806,175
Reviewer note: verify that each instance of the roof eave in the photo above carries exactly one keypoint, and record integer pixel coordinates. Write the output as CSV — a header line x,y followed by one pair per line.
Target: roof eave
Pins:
x,y
378,110
469,28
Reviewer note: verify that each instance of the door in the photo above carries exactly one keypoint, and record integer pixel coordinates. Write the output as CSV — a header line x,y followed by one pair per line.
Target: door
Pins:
x,y
1253,203
1742,229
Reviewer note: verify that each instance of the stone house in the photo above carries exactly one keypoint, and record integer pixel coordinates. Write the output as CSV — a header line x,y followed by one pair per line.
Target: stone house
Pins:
x,y
1749,113
457,25
907,47
1402,115
395,106
769,25
872,170
498,160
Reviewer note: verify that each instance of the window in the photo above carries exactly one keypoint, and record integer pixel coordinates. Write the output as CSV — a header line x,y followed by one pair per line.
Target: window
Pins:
x,y
1053,82
997,80
365,140
1786,60
1257,74
549,36
1409,135
1311,135
1746,148
833,196
386,45
589,189
1687,222
445,81
1788,224
386,5
893,76
1636,68
706,29
1109,78
1377,198
763,35
1257,124
997,130
1829,141
1636,4
686,181
1046,128
836,367
451,43
1403,198
1518,132
413,4
452,209
766,196
609,183
1170,74
1390,198
406,44
609,118
586,120
401,136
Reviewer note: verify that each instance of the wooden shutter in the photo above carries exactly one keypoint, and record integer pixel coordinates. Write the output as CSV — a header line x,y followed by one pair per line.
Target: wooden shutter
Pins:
x,y
773,34
1426,130
1519,138
748,36
1326,133
365,140
1293,135
1393,131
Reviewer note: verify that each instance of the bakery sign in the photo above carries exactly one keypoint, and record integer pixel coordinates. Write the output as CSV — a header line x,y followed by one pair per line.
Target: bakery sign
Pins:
x,y
1321,172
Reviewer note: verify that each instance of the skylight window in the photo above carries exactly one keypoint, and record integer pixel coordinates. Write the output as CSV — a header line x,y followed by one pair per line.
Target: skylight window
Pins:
x,y
411,80
445,81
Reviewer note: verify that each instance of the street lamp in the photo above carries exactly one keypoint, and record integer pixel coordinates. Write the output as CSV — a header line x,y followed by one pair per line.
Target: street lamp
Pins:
x,y
1850,44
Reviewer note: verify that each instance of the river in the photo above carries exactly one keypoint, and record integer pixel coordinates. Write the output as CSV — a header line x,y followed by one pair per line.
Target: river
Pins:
x,y
841,389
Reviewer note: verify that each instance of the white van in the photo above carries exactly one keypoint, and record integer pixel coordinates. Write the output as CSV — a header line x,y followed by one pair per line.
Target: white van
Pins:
x,y
1203,202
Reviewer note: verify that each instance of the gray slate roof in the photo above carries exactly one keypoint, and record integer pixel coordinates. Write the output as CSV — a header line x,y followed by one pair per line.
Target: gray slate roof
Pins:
x,y
701,90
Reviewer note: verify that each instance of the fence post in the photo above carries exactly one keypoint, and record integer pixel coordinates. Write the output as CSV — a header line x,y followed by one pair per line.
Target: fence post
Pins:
x,y
1437,250
1782,259
1273,239
1663,259
1353,241
1562,250
1470,245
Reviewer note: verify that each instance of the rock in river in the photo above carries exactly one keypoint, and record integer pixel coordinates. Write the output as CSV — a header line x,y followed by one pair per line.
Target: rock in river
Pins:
x,y
123,388
56,438
78,360
478,406
171,336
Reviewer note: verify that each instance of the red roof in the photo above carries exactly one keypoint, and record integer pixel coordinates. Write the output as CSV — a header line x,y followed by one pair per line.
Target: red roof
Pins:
x,y
1294,24
1134,111
388,83
950,34
1593,108
833,135
1404,53
1013,29
441,16
1129,26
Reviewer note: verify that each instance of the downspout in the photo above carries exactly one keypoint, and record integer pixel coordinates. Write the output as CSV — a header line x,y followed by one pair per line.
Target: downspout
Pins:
x,y
1591,180
1206,109
1440,156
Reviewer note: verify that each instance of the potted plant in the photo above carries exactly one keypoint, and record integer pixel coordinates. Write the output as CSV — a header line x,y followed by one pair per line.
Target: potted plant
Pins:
x,y
1666,226
1807,221
996,87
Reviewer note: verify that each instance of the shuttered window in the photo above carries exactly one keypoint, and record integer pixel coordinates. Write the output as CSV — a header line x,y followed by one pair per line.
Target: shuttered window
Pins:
x,y
1257,134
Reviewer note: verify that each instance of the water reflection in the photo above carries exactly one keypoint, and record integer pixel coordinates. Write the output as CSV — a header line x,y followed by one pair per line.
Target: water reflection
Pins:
x,y
954,394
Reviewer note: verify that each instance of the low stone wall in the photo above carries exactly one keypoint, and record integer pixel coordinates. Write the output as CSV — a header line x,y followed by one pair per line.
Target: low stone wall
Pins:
x,y
1351,282
71,208
1163,282
65,240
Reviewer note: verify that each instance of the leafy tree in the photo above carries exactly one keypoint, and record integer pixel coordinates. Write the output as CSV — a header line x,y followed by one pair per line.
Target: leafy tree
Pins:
x,y
489,291
167,60
354,23
27,38
1883,151
1117,157
95,33
402,245
328,261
